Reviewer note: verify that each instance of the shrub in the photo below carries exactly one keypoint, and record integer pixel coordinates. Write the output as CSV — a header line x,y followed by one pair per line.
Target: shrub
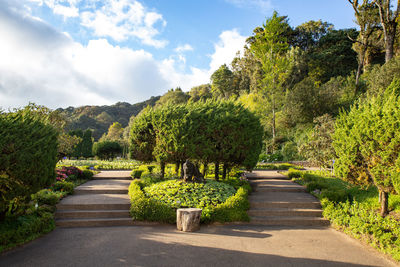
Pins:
x,y
233,209
136,174
68,173
63,186
28,156
107,149
87,174
47,197
16,231
292,173
143,208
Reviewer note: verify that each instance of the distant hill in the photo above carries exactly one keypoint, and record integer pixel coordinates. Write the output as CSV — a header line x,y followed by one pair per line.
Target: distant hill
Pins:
x,y
99,118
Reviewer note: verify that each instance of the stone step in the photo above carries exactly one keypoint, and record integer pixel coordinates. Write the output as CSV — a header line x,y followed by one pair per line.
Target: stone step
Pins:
x,y
251,178
288,221
100,191
285,212
285,204
262,189
100,206
102,222
283,196
111,178
74,214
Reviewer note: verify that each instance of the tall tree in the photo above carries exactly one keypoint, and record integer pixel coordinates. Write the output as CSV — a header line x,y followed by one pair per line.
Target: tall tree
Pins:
x,y
222,82
368,20
389,21
270,45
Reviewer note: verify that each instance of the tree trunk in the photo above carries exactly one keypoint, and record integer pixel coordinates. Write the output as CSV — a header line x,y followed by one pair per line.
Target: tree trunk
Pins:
x,y
177,164
216,171
384,200
224,168
188,220
162,167
389,43
205,167
361,62
182,172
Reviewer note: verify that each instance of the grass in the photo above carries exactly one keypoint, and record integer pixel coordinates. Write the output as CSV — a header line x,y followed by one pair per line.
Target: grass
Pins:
x,y
116,164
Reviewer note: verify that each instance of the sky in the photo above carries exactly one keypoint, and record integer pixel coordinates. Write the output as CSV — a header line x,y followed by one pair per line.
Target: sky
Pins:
x,y
61,53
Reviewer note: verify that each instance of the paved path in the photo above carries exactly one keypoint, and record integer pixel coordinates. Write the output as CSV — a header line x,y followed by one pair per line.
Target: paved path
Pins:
x,y
241,245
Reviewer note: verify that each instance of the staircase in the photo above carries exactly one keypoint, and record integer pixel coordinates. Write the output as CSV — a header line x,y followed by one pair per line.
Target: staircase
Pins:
x,y
278,201
102,201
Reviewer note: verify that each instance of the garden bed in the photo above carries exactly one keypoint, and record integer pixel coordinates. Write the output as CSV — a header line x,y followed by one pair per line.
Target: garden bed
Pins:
x,y
220,201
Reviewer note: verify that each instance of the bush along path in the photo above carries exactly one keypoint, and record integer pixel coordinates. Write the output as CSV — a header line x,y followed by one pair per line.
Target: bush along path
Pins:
x,y
279,201
102,201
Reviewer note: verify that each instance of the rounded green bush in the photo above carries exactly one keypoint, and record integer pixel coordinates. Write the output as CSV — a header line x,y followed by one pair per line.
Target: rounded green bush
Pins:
x,y
47,197
178,194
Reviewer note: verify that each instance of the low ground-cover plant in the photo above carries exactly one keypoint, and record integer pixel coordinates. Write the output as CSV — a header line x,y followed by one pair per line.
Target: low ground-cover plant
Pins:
x,y
158,201
17,231
116,164
38,216
277,166
354,210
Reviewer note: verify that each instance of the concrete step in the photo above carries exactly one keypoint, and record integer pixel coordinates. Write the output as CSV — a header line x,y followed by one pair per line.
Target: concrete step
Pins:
x,y
251,178
285,212
112,178
75,214
263,189
101,222
285,204
283,196
100,191
289,221
94,222
102,206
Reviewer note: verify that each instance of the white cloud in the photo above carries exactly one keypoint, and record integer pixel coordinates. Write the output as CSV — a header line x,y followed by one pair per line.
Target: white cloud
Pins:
x,y
41,65
230,42
116,19
183,48
262,5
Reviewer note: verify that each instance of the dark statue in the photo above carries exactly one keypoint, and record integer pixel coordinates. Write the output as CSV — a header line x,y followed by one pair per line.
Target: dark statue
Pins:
x,y
191,173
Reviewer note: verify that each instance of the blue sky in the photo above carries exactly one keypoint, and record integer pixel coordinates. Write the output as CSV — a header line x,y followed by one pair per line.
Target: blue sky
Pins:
x,y
76,52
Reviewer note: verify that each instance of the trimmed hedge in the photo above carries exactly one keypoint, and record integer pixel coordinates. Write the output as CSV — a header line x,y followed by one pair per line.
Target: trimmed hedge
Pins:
x,y
146,209
28,157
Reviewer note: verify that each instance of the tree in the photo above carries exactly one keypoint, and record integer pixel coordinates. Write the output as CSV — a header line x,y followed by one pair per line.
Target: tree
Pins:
x,y
367,143
142,137
307,35
115,132
367,19
106,150
201,92
174,97
77,150
87,144
270,45
319,148
389,23
333,56
222,83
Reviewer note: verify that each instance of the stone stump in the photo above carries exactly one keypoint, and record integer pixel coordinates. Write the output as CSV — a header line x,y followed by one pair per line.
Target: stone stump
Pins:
x,y
188,220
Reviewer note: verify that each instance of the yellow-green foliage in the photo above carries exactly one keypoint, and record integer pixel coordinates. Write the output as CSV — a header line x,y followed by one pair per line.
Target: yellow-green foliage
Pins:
x,y
144,208
158,202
